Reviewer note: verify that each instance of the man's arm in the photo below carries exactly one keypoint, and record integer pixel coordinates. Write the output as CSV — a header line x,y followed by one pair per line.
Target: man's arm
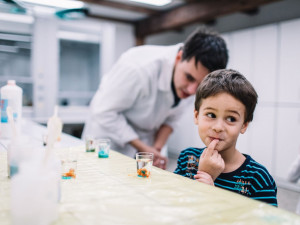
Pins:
x,y
117,93
162,136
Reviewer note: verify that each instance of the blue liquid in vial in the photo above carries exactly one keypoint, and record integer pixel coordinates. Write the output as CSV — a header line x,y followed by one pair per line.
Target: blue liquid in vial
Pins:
x,y
13,170
102,154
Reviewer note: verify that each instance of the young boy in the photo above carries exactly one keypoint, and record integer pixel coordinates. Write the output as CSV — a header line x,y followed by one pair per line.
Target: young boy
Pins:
x,y
224,106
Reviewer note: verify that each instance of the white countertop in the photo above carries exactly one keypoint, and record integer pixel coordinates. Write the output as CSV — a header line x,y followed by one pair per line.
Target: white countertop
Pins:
x,y
36,131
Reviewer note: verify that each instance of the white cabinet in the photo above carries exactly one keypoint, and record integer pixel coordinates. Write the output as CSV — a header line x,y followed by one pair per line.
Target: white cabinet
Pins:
x,y
289,48
263,130
44,66
265,62
287,139
79,63
241,52
253,52
288,118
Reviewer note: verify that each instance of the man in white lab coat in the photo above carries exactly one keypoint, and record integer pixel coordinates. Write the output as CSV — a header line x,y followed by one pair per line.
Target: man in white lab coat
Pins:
x,y
140,100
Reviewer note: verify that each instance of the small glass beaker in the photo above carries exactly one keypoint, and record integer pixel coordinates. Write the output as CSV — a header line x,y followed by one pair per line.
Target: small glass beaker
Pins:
x,y
69,164
103,148
90,144
144,161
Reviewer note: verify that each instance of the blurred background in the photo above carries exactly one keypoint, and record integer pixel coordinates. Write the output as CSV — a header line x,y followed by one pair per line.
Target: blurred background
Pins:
x,y
57,51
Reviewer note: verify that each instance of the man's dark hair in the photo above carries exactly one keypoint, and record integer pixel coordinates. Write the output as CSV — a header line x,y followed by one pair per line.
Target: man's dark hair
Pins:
x,y
231,82
207,47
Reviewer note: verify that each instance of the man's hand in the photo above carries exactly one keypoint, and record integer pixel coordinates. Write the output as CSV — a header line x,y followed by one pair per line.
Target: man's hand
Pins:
x,y
204,178
161,136
211,161
158,161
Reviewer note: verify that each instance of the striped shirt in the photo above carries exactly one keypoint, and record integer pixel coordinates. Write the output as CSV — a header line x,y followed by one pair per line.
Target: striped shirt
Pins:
x,y
251,179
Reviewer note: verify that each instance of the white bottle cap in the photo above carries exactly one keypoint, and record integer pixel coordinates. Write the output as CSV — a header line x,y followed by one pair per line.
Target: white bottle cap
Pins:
x,y
11,82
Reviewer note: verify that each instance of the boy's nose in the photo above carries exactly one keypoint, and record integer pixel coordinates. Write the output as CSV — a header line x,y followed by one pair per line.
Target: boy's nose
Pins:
x,y
218,126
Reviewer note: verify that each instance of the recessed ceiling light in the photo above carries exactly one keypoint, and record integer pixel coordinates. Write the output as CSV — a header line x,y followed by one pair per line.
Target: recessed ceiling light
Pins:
x,y
153,2
67,4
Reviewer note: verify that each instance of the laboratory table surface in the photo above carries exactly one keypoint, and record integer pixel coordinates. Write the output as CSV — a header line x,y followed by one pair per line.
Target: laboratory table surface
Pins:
x,y
108,191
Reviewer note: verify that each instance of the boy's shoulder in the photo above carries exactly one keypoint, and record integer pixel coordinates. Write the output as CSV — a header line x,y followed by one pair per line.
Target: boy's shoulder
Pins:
x,y
252,163
258,171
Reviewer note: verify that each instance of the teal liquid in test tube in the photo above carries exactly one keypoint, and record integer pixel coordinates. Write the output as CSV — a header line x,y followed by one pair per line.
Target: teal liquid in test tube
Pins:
x,y
103,148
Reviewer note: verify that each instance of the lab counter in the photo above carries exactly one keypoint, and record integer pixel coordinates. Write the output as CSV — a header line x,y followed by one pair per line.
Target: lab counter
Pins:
x,y
35,131
108,191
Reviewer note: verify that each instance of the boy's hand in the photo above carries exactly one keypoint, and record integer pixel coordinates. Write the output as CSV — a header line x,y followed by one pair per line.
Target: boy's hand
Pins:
x,y
211,161
204,178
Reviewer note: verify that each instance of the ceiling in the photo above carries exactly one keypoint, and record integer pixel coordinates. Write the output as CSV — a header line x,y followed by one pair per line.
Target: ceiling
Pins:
x,y
148,19
179,13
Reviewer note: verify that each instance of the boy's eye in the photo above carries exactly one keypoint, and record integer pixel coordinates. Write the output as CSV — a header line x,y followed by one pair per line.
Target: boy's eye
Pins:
x,y
211,115
190,78
231,119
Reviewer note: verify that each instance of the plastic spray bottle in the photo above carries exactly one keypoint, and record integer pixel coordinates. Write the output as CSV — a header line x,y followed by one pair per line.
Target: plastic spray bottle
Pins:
x,y
11,95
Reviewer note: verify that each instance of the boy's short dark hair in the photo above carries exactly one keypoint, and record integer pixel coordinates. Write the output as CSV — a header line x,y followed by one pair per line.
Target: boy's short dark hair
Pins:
x,y
207,47
231,82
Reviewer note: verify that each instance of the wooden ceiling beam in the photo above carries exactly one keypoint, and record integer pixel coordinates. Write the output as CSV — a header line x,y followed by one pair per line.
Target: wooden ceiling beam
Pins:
x,y
196,11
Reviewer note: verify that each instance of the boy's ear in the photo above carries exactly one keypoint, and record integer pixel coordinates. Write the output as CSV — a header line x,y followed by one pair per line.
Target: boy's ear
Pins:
x,y
196,113
244,127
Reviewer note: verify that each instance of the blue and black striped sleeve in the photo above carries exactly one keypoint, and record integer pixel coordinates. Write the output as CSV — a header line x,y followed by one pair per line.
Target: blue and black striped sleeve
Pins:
x,y
264,189
179,170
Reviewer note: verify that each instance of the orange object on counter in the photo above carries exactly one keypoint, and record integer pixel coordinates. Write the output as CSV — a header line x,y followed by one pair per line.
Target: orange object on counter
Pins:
x,y
71,173
143,172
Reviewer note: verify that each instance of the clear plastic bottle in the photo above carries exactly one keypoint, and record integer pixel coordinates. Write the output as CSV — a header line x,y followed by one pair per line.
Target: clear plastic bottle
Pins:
x,y
11,95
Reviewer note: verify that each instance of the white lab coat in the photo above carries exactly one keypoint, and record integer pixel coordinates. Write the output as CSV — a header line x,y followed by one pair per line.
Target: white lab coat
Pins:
x,y
135,98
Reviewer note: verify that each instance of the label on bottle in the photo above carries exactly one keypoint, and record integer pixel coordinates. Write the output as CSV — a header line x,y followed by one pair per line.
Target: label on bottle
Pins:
x,y
4,117
4,104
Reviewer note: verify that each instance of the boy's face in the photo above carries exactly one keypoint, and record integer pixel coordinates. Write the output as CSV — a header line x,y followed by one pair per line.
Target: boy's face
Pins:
x,y
221,117
187,76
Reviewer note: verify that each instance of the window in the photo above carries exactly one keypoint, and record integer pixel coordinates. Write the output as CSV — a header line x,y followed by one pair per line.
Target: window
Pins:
x,y
79,74
15,64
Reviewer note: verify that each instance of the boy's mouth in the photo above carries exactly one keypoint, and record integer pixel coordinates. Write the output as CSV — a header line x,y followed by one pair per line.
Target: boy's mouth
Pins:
x,y
214,138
